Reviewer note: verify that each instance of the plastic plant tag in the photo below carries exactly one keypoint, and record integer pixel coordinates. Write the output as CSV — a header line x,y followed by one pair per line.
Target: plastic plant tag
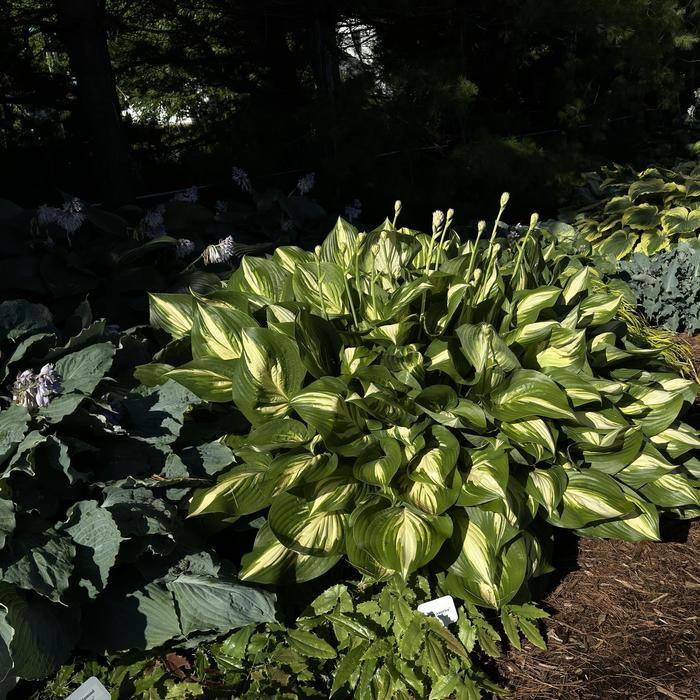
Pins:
x,y
442,608
92,689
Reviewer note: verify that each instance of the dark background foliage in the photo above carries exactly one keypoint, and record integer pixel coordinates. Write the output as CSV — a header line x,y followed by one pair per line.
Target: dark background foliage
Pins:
x,y
449,101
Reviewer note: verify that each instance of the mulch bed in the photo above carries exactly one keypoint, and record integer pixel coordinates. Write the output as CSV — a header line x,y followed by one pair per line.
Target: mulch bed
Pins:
x,y
625,623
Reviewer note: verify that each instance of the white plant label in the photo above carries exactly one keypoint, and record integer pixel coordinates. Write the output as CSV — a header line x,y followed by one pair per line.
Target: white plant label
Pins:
x,y
92,689
442,608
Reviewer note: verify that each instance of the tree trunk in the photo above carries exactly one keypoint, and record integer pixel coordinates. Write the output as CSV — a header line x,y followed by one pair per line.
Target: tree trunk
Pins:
x,y
99,115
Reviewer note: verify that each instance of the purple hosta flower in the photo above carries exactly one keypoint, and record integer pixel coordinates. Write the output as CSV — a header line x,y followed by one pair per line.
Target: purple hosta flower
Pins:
x,y
46,215
36,390
240,177
306,183
220,253
153,222
72,216
183,247
191,195
353,211
221,206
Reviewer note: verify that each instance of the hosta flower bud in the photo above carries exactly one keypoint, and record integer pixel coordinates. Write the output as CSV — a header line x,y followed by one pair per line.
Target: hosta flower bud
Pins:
x,y
438,219
504,199
534,219
481,227
317,251
397,207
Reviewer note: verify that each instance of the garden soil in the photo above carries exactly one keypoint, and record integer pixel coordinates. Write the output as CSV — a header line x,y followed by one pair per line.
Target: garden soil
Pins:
x,y
625,623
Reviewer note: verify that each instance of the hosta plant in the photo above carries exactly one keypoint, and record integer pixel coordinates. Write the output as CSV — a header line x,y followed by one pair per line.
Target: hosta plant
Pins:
x,y
419,401
95,552
643,212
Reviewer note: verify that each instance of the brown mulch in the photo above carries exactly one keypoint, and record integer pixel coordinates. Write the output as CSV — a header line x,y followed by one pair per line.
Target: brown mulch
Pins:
x,y
625,624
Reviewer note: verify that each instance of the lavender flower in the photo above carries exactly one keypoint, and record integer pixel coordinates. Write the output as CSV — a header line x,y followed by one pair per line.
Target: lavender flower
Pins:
x,y
240,177
36,390
46,215
191,195
153,222
353,211
183,247
220,253
306,183
69,217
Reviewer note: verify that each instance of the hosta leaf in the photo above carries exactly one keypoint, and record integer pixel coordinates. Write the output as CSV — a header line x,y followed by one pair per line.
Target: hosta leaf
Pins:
x,y
269,373
271,562
566,349
529,304
207,377
533,431
321,284
378,464
429,497
243,490
97,537
529,394
438,459
321,534
619,245
44,633
219,604
399,538
598,309
487,478
319,344
671,491
290,470
262,278
83,370
217,328
590,496
547,486
14,423
289,256
649,186
679,221
172,312
279,433
642,217
339,245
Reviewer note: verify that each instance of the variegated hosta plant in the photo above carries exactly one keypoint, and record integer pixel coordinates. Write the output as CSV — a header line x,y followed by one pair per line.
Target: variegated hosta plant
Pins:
x,y
416,400
641,212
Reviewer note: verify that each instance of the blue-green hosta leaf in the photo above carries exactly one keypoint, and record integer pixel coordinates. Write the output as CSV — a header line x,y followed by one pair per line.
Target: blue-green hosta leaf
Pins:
x,y
679,221
7,520
242,490
262,278
41,562
529,394
492,560
671,491
269,374
97,538
530,303
19,318
218,604
172,312
320,534
547,486
292,469
43,633
207,377
590,496
272,562
217,328
6,664
398,537
82,371
14,423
